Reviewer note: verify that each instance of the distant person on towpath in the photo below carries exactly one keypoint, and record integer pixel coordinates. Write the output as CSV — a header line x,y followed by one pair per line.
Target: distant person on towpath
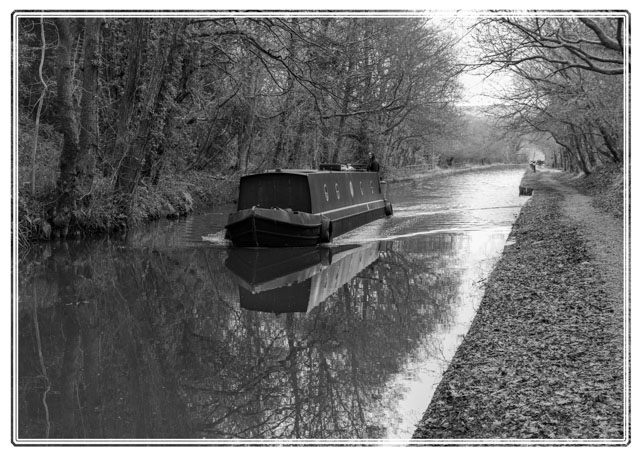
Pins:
x,y
373,164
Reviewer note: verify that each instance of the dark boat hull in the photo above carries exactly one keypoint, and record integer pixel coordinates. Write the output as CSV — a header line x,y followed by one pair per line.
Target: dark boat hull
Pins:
x,y
347,219
260,227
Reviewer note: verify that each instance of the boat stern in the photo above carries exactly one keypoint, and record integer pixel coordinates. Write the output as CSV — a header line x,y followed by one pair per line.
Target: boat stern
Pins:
x,y
274,227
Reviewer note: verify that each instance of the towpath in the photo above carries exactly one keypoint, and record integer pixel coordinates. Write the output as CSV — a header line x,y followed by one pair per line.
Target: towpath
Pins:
x,y
544,357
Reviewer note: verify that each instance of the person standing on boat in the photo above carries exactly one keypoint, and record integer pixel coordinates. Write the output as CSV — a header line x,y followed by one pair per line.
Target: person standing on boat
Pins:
x,y
373,164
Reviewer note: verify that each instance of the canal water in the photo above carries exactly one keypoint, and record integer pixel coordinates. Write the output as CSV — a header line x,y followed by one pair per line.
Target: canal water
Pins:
x,y
172,334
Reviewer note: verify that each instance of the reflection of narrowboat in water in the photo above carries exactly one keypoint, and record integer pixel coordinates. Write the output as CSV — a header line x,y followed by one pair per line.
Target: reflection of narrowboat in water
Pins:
x,y
304,207
295,279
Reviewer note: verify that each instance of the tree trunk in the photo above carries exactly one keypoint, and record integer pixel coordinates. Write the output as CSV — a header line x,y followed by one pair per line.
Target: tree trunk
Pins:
x,y
245,137
89,111
577,147
126,104
288,109
130,169
583,152
295,154
67,181
610,143
154,156
589,149
40,101
347,93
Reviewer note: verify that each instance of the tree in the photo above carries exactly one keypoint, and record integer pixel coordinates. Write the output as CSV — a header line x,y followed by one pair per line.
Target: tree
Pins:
x,y
69,157
39,111
142,98
568,81
146,138
89,141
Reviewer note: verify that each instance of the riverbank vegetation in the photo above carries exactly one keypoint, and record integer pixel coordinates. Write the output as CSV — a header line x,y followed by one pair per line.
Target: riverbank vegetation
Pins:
x,y
125,119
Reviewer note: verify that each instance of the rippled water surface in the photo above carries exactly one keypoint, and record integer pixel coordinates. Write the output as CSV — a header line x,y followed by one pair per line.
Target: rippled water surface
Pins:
x,y
173,334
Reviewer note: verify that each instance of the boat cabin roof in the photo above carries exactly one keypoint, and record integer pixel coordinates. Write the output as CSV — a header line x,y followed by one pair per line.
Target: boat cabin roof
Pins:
x,y
324,168
291,171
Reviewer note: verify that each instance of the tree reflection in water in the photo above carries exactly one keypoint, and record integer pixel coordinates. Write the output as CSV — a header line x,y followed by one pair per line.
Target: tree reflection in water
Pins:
x,y
141,343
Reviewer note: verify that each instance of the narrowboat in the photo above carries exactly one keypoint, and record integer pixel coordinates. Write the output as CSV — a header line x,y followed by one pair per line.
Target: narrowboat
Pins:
x,y
297,208
295,280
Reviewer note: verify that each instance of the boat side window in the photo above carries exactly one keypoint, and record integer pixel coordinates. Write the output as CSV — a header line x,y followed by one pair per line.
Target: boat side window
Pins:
x,y
337,191
361,189
326,192
351,188
371,185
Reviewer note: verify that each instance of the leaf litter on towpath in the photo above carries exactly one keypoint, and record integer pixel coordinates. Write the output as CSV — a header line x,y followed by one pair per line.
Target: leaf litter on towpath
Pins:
x,y
543,358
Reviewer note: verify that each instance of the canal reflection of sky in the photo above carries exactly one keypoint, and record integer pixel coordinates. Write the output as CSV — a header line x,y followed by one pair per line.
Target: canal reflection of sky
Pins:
x,y
474,257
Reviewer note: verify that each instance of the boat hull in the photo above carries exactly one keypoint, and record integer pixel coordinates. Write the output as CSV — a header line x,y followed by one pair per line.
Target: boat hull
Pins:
x,y
304,208
346,219
274,227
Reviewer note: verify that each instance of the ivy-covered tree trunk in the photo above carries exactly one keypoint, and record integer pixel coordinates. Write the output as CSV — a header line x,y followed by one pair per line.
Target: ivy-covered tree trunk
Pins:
x,y
164,111
89,111
69,156
136,41
130,170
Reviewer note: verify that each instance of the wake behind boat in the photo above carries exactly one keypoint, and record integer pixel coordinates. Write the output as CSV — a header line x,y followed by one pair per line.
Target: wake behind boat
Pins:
x,y
304,207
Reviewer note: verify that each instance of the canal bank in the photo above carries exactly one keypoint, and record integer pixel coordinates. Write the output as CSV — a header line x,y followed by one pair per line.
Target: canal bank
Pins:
x,y
544,358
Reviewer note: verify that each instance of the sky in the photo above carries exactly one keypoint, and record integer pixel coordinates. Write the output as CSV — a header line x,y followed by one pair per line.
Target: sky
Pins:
x,y
478,88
